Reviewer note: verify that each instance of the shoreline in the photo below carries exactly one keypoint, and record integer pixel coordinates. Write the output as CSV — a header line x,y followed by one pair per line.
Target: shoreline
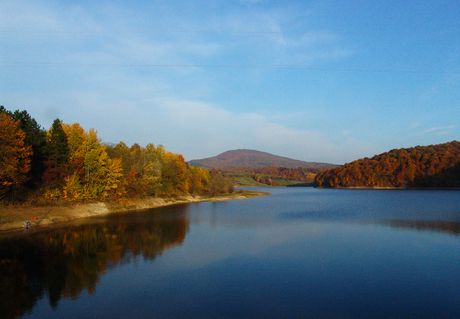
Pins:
x,y
12,218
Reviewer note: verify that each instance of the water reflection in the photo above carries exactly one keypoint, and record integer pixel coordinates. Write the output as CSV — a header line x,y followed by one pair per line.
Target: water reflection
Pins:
x,y
63,263
449,227
298,253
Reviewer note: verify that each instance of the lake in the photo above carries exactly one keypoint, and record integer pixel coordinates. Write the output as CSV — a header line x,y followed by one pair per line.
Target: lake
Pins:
x,y
299,253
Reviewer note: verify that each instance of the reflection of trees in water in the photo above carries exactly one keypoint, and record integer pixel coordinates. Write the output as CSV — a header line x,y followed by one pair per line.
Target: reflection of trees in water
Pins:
x,y
450,227
63,263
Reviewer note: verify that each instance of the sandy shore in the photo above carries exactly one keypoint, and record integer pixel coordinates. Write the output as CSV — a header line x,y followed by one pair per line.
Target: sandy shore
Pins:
x,y
12,218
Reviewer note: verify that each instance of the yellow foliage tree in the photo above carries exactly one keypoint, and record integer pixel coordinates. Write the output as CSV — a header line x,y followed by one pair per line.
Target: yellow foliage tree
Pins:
x,y
199,180
114,186
76,136
72,189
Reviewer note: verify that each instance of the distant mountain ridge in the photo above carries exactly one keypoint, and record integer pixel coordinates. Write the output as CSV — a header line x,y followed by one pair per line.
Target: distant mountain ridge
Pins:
x,y
254,159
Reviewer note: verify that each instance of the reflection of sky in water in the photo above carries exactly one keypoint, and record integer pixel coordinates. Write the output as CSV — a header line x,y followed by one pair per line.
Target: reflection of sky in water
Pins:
x,y
298,253
333,205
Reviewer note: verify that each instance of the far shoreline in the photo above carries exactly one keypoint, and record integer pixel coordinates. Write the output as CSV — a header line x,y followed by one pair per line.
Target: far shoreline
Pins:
x,y
12,218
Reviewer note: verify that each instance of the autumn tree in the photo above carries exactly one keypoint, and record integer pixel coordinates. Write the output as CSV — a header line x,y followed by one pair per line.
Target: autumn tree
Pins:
x,y
122,152
14,155
35,137
174,175
57,152
76,136
73,189
114,182
151,172
199,180
103,177
219,184
96,165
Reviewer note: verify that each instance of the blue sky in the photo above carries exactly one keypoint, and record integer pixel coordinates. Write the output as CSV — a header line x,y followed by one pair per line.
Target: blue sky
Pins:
x,y
316,80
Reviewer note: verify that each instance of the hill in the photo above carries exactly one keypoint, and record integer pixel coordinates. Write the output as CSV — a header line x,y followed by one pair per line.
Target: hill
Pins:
x,y
253,159
255,168
421,166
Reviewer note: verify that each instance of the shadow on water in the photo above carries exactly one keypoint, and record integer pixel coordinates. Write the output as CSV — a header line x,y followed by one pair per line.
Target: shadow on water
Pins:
x,y
441,226
449,227
65,262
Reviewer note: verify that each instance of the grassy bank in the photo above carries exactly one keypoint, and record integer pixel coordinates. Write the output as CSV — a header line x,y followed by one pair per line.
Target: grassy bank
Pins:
x,y
242,179
12,218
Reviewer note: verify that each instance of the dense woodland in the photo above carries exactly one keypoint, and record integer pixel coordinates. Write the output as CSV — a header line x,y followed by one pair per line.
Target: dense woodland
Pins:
x,y
421,166
69,163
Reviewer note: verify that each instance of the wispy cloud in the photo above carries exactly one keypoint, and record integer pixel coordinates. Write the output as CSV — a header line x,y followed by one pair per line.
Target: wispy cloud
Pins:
x,y
198,129
170,38
439,130
163,105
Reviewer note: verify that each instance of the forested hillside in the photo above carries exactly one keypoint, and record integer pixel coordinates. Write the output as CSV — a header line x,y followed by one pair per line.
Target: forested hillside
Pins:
x,y
421,166
253,159
67,162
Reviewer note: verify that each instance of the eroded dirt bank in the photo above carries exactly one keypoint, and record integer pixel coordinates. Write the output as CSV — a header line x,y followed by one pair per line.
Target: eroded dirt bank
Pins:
x,y
12,218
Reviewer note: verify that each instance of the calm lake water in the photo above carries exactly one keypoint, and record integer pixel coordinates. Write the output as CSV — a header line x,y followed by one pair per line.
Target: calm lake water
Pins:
x,y
300,253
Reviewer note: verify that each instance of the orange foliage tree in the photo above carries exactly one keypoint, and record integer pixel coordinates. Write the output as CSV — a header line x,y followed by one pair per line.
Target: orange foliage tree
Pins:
x,y
14,155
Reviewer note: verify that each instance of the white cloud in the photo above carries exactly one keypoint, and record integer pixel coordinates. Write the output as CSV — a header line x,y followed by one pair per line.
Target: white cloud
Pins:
x,y
440,130
199,129
147,104
220,130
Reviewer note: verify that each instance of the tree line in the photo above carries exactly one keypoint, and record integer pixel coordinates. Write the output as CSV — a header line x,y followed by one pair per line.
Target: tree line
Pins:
x,y
421,166
67,162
